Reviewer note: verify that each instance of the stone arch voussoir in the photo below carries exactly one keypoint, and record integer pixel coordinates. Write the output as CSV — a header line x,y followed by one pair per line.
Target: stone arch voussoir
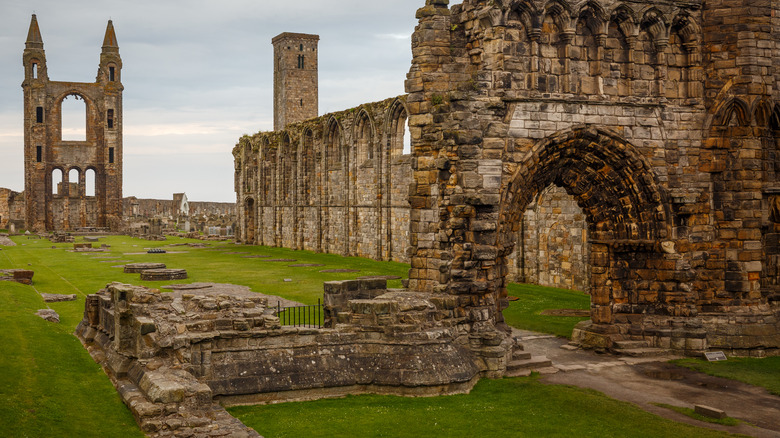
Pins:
x,y
626,210
611,180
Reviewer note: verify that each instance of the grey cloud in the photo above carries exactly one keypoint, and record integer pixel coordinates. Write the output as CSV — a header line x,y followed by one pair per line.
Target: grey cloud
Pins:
x,y
200,63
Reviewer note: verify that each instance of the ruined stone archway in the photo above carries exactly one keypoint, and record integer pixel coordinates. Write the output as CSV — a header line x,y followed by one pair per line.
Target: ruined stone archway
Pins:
x,y
626,211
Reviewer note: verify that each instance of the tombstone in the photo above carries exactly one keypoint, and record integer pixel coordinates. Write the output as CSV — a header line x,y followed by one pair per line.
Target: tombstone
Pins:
x,y
11,228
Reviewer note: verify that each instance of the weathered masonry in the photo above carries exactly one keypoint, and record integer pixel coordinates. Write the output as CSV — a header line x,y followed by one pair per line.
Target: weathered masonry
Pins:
x,y
336,183
661,120
72,183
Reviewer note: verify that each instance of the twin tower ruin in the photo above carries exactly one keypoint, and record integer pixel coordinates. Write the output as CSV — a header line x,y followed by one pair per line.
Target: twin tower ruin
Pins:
x,y
72,184
659,121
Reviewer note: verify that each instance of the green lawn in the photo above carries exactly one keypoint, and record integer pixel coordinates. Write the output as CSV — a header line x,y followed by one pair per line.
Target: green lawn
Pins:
x,y
516,407
49,385
728,421
759,372
525,313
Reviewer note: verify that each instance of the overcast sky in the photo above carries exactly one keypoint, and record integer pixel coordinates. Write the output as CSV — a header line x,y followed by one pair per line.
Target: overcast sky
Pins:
x,y
198,74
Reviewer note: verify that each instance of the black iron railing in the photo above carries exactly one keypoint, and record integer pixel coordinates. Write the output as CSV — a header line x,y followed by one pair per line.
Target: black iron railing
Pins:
x,y
301,316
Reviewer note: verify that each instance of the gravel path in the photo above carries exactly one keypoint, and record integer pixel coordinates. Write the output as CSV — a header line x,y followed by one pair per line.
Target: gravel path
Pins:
x,y
645,381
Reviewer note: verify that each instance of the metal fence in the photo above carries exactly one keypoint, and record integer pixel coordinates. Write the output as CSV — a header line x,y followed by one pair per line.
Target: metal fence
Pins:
x,y
301,316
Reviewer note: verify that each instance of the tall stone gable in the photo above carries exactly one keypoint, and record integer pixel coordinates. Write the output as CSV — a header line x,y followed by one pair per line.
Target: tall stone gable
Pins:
x,y
295,78
57,172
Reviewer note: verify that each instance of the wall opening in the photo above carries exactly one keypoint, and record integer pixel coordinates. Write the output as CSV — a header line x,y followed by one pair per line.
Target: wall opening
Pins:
x,y
74,119
39,114
552,246
250,220
621,202
111,155
288,156
74,186
89,183
35,70
399,135
334,146
310,174
407,139
365,148
56,182
112,73
38,154
110,119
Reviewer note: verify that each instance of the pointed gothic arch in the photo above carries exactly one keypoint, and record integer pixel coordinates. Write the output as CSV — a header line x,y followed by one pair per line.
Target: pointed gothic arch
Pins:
x,y
617,190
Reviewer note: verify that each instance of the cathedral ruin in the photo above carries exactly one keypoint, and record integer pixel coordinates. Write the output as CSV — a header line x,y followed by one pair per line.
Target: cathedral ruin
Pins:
x,y
72,183
659,121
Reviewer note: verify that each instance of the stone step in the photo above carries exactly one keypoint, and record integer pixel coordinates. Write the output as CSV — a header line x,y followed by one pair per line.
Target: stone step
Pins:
x,y
520,355
524,367
641,352
626,345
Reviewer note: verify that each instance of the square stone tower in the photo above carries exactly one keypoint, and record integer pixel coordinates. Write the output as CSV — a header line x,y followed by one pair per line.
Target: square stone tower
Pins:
x,y
295,78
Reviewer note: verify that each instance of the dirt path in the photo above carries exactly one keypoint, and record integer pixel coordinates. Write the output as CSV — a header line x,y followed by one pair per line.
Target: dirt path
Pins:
x,y
645,381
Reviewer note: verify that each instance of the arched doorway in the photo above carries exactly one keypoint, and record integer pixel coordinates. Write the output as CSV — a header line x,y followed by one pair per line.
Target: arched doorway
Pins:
x,y
551,246
625,210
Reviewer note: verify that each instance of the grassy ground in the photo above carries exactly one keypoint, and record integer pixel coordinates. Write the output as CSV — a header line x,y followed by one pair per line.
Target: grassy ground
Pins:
x,y
525,313
517,407
728,421
49,385
759,372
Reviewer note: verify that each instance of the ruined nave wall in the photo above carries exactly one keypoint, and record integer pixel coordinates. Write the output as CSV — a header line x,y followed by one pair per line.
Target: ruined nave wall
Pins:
x,y
337,184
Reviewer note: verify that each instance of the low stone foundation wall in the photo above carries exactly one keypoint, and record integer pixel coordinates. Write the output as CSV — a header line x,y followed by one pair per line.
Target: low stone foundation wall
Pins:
x,y
22,276
163,274
172,355
137,268
744,331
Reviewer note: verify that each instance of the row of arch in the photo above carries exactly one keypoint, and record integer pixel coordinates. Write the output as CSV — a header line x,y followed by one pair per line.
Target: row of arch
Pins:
x,y
630,18
735,111
63,183
336,184
624,50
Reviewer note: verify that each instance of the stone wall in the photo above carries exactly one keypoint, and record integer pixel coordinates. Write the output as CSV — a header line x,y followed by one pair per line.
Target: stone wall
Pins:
x,y
296,84
150,208
337,183
155,216
72,184
552,243
661,121
173,355
11,209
